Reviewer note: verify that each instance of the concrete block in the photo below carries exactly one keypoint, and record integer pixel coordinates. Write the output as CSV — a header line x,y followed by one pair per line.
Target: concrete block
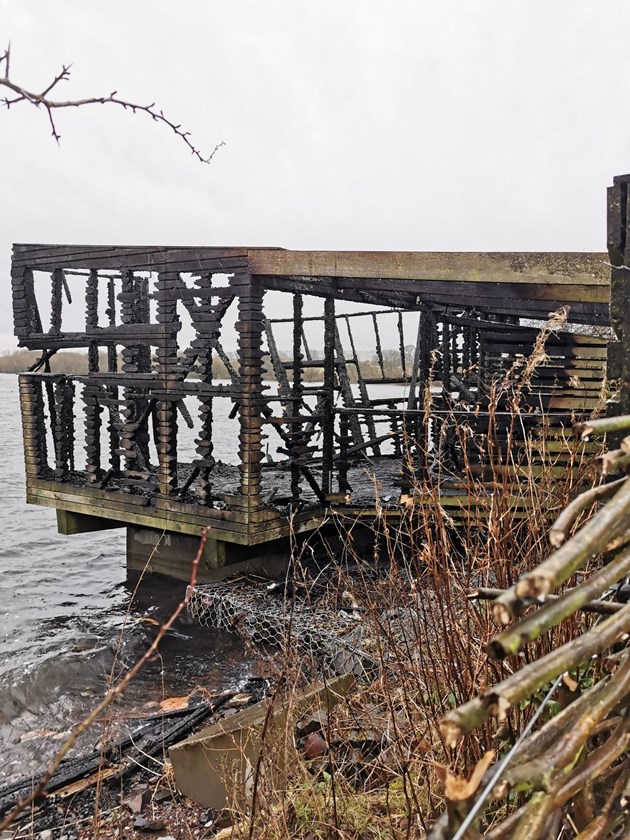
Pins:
x,y
175,553
216,767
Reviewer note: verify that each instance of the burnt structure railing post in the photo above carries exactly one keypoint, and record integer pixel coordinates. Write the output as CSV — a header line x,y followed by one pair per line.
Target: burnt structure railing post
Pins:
x,y
296,436
166,353
344,443
204,445
250,328
91,393
33,427
415,432
328,400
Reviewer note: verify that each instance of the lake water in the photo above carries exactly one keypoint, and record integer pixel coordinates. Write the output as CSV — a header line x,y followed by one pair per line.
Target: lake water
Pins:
x,y
65,603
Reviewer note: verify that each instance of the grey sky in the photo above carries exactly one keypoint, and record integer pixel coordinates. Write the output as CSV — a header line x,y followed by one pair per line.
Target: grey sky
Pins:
x,y
349,124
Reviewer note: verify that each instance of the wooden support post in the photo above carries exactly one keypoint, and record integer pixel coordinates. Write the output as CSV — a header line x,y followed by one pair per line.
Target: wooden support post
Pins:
x,y
167,370
344,442
249,327
203,443
619,252
112,390
33,427
91,317
401,345
328,401
91,393
56,301
296,405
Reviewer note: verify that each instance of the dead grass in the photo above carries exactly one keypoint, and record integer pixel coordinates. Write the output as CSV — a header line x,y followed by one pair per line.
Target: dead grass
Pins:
x,y
384,770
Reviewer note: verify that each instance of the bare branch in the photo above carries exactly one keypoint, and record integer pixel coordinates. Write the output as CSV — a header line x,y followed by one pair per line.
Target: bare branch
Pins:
x,y
51,105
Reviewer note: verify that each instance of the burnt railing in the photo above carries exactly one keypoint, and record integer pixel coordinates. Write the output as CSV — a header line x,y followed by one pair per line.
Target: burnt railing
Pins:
x,y
308,405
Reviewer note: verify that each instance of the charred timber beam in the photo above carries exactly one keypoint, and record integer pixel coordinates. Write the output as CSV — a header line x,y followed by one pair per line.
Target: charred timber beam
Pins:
x,y
151,258
589,302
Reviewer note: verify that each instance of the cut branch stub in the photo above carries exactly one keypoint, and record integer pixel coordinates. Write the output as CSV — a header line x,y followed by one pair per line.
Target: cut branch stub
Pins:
x,y
495,701
607,524
603,426
553,612
561,527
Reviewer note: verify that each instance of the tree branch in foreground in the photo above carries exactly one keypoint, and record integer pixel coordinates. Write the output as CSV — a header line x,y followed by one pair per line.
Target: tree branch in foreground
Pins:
x,y
51,105
111,695
496,700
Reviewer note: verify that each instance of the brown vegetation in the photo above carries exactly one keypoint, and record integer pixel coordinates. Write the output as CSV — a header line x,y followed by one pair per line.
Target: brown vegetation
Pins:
x,y
409,753
434,739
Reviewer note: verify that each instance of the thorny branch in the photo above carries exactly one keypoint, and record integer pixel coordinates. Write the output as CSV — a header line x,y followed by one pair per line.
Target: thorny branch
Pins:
x,y
42,100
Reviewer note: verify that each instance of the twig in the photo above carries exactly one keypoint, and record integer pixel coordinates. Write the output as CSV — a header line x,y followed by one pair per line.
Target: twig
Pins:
x,y
50,105
111,695
600,607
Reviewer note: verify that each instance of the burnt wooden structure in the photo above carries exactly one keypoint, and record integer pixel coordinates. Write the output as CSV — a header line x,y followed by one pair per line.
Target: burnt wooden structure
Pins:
x,y
105,447
619,253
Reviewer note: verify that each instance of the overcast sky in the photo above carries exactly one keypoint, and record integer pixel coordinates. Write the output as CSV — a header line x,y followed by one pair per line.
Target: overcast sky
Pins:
x,y
349,124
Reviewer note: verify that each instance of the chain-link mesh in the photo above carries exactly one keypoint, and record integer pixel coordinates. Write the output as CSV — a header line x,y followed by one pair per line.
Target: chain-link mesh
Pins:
x,y
334,641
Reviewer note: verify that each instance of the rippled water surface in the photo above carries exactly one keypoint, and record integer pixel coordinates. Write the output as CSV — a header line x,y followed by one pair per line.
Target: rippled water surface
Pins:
x,y
63,604
66,610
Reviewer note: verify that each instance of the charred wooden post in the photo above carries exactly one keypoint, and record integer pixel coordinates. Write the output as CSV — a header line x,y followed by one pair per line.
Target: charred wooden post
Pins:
x,y
203,443
33,428
250,371
166,354
296,449
327,404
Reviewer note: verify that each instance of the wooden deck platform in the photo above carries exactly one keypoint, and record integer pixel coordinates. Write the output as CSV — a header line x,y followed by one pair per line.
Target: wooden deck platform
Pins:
x,y
104,445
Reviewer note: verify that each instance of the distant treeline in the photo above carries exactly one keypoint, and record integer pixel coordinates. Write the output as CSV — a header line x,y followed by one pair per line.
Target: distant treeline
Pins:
x,y
76,364
62,362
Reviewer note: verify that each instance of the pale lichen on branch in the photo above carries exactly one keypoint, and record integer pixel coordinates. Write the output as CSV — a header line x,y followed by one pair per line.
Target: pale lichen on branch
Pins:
x,y
42,100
